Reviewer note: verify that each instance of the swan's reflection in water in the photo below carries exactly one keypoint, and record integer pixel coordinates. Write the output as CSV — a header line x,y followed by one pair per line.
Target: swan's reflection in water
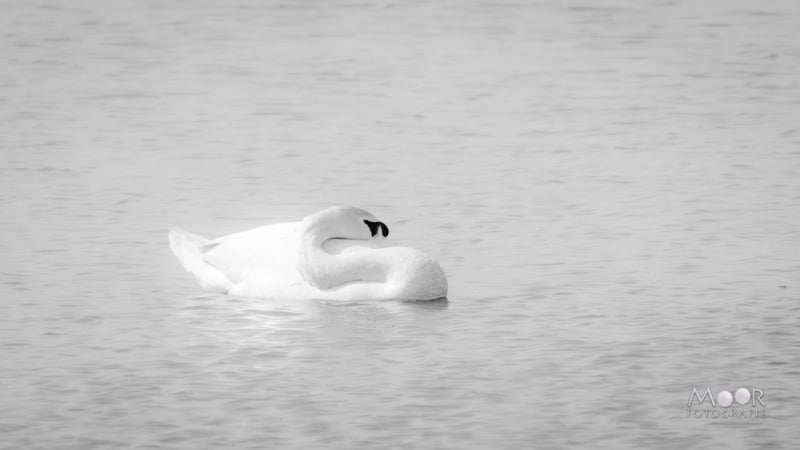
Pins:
x,y
270,335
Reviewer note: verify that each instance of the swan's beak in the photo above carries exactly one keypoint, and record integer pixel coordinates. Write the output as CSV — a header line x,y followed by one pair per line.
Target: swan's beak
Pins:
x,y
375,226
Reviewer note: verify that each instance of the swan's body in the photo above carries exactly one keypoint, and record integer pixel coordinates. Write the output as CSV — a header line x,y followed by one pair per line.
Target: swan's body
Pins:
x,y
335,254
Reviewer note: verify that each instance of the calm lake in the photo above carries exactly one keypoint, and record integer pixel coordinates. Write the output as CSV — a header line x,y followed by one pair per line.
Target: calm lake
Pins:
x,y
613,189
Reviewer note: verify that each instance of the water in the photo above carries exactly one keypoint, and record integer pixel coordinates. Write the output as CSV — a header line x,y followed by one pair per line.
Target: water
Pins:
x,y
611,188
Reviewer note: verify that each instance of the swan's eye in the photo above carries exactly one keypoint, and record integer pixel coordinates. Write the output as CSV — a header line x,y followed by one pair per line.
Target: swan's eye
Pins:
x,y
375,226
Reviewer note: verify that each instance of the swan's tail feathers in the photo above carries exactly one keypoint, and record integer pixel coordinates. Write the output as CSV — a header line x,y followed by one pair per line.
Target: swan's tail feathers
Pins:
x,y
187,247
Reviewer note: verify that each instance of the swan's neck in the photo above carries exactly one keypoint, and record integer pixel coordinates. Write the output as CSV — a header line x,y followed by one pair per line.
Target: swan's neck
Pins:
x,y
325,270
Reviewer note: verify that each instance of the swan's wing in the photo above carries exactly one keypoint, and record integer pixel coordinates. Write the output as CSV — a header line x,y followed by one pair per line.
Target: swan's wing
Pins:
x,y
268,251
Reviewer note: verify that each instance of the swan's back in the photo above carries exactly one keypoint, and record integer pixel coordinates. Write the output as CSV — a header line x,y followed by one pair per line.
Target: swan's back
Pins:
x,y
262,256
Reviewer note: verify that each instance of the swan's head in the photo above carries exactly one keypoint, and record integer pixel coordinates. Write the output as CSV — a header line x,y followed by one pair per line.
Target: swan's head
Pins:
x,y
345,222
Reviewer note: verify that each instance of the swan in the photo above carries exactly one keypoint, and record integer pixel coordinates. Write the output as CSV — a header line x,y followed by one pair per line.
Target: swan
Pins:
x,y
339,253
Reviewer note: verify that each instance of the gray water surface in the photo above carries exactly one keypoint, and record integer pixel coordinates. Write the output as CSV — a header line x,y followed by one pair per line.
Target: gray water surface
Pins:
x,y
612,189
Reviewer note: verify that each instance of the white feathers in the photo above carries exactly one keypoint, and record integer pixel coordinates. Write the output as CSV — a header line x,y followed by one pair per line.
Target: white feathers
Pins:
x,y
186,246
328,255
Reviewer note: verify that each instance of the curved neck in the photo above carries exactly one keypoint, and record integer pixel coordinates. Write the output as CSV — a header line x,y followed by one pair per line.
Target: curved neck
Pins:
x,y
325,270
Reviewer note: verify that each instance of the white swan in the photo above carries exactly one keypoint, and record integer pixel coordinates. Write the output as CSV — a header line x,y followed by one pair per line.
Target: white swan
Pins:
x,y
340,253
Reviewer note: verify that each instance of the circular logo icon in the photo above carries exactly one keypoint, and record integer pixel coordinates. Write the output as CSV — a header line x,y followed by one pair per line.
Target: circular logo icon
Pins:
x,y
742,396
724,399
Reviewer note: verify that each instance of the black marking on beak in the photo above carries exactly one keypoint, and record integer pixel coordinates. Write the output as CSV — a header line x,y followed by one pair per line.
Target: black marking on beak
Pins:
x,y
374,226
